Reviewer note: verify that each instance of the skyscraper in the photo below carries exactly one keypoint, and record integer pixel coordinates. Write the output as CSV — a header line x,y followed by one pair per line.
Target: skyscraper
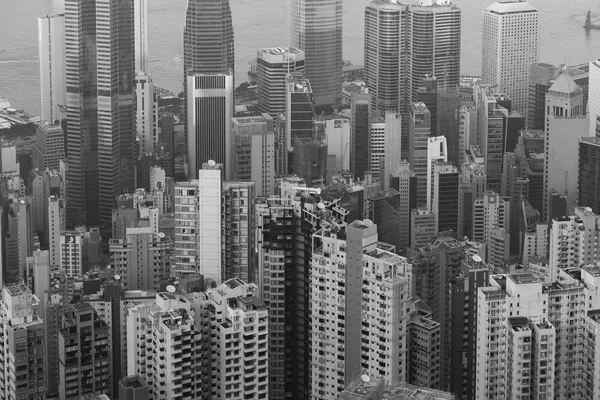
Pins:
x,y
209,107
315,26
359,136
510,46
100,115
419,132
272,66
51,37
208,38
385,53
565,123
594,97
589,173
433,45
208,71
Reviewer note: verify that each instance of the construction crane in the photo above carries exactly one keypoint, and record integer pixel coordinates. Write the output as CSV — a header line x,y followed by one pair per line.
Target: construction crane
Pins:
x,y
589,24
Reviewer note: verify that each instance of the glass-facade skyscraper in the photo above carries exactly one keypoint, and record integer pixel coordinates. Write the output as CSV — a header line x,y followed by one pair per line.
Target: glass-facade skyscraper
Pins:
x,y
208,62
315,26
99,50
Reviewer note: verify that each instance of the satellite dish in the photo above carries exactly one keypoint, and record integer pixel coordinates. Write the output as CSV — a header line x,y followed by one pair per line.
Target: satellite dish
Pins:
x,y
368,222
161,235
211,163
476,258
176,283
171,289
117,277
365,378
321,206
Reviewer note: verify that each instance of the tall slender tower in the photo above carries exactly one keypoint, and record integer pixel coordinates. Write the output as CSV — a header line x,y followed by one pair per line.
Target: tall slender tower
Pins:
x,y
208,67
433,45
315,26
51,34
385,53
99,43
510,46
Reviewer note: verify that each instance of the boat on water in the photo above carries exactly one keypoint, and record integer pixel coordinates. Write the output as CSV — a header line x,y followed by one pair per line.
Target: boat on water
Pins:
x,y
589,24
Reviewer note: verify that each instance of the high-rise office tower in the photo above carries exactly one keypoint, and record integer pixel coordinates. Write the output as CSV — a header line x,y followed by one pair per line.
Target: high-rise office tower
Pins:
x,y
208,73
253,152
51,44
140,16
404,181
433,45
492,137
299,111
471,187
422,227
419,133
146,113
337,132
49,148
565,123
146,100
392,142
540,75
593,107
510,46
84,359
445,196
208,46
100,117
272,66
22,368
437,151
385,54
384,210
359,136
209,111
315,26
589,173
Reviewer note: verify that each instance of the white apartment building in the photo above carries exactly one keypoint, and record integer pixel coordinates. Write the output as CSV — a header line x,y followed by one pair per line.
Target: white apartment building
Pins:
x,y
510,46
574,241
162,346
532,337
239,329
361,310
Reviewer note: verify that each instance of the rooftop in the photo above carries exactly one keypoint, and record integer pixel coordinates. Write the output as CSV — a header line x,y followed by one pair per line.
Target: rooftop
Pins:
x,y
519,323
16,289
510,6
590,139
564,84
524,278
281,50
